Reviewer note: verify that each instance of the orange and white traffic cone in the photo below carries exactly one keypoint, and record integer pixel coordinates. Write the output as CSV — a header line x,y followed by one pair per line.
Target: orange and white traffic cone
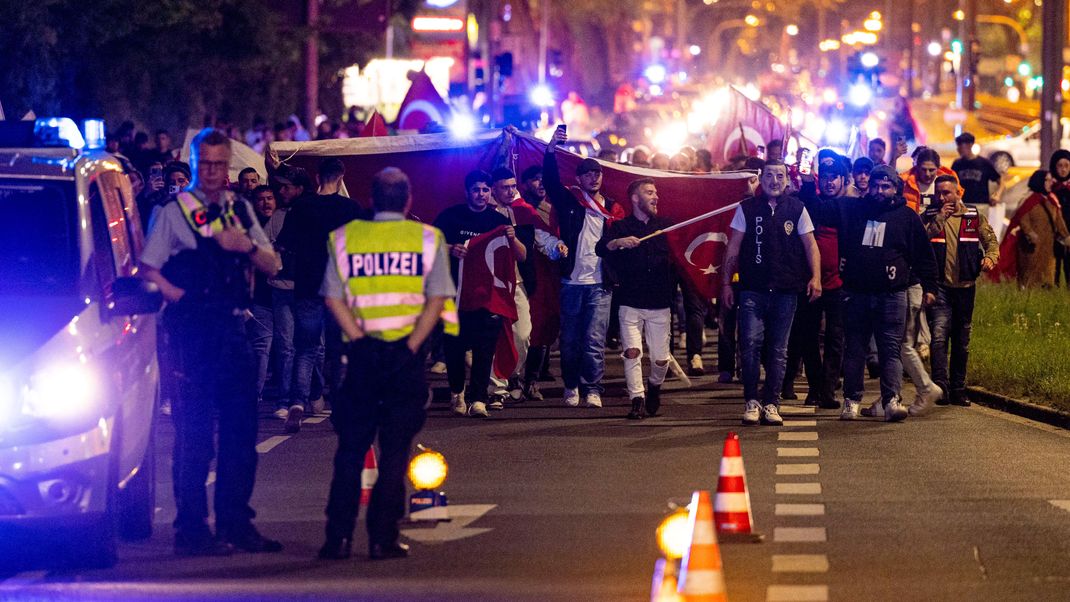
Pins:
x,y
368,476
731,506
663,586
701,574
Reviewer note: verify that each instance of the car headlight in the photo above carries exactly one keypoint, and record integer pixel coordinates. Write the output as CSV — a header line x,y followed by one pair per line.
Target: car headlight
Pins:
x,y
58,393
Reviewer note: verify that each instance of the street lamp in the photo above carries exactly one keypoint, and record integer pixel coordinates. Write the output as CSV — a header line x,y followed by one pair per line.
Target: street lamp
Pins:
x,y
792,30
751,20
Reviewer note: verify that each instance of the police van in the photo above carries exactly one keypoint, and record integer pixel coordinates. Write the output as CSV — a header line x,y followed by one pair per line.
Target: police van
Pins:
x,y
78,372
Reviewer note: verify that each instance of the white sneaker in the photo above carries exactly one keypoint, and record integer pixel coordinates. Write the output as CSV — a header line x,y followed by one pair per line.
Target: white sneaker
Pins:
x,y
593,400
894,411
457,404
850,410
874,411
438,368
924,401
165,407
752,412
282,413
496,404
572,397
771,415
478,408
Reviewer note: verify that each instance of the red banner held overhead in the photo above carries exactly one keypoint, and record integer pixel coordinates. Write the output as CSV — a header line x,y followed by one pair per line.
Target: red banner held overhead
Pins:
x,y
742,125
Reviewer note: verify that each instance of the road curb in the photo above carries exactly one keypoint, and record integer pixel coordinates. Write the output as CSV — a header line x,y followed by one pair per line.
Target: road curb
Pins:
x,y
1018,407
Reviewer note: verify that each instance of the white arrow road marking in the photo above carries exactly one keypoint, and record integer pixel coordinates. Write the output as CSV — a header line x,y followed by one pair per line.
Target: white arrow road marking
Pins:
x,y
462,515
1064,504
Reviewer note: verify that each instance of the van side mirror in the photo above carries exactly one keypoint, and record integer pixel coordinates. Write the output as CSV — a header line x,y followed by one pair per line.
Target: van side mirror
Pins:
x,y
134,296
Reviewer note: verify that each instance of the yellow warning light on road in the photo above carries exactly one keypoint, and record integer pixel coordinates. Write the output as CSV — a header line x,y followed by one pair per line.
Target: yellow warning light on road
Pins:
x,y
428,470
674,534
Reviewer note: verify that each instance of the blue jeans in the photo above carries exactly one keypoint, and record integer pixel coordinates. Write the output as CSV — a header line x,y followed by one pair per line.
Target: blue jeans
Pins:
x,y
584,319
282,302
308,349
883,317
765,321
260,330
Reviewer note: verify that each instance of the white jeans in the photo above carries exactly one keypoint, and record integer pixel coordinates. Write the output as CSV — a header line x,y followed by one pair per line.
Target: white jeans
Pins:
x,y
634,323
521,338
912,363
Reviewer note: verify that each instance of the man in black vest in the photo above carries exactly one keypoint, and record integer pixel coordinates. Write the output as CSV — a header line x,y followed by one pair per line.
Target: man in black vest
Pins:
x,y
772,247
965,245
199,254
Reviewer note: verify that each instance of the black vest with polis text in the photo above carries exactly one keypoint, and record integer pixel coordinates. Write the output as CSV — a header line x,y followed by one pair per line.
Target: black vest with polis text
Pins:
x,y
772,256
969,253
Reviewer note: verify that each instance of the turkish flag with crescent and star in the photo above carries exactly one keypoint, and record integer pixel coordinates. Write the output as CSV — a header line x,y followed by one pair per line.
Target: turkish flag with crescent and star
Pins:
x,y
422,104
742,126
487,280
698,249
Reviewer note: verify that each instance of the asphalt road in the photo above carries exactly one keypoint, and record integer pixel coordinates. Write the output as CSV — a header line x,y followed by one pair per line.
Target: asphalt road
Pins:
x,y
558,503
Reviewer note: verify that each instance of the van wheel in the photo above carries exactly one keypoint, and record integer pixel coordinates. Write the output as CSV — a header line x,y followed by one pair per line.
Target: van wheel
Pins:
x,y
94,545
137,501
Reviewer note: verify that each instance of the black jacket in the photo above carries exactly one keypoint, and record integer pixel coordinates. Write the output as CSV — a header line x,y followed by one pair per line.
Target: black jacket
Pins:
x,y
570,212
883,245
644,276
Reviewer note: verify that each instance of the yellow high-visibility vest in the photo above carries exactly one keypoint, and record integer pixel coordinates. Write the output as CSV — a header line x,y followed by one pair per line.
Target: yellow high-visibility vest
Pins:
x,y
383,265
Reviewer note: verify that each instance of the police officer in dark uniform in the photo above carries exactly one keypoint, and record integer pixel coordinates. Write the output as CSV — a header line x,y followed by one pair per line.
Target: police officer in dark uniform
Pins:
x,y
199,253
387,284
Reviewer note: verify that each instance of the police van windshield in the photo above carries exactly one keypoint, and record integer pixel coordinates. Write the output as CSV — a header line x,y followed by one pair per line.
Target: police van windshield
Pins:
x,y
38,238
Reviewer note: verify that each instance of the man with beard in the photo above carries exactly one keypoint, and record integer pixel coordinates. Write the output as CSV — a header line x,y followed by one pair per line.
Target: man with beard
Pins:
x,y
882,244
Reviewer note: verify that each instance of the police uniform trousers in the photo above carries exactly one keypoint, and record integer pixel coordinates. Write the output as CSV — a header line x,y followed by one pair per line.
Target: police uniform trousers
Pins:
x,y
214,373
385,394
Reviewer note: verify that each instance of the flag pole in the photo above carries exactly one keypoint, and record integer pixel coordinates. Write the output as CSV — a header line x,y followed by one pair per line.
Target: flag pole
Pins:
x,y
742,140
688,222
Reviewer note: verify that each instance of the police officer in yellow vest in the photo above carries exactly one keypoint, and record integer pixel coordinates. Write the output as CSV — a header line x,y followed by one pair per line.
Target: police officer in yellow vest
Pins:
x,y
199,252
387,284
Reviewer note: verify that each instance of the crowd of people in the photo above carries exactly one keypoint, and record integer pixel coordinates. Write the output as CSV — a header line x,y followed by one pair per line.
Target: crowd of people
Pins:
x,y
811,250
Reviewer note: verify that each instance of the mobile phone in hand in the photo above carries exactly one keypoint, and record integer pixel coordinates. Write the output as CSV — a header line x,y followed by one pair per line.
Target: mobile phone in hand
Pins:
x,y
806,162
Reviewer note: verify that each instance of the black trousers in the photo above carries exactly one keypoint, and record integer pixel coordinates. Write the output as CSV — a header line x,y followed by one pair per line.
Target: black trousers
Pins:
x,y
480,330
727,328
213,371
696,307
950,321
822,368
384,394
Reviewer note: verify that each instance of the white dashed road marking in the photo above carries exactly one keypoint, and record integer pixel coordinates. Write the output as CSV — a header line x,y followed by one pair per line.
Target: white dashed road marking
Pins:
x,y
1064,504
800,509
797,452
797,436
270,443
809,423
314,420
797,469
800,563
798,488
790,410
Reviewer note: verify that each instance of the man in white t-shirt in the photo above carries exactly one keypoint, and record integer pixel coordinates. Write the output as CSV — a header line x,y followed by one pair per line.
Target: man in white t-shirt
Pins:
x,y
772,247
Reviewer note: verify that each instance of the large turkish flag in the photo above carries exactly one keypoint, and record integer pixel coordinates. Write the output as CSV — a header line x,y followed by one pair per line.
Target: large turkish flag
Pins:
x,y
487,280
742,126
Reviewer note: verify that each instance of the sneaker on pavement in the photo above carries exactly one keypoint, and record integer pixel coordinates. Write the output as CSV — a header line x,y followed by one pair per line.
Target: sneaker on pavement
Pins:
x,y
318,405
496,403
828,404
293,419
532,392
593,400
771,415
752,413
572,397
894,411
789,395
724,378
438,368
457,404
924,401
874,411
478,408
281,413
695,367
516,391
653,399
850,410
637,408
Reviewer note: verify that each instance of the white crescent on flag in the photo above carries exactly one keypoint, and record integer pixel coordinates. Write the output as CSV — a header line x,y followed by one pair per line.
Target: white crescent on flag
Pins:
x,y
703,238
493,246
731,144
416,107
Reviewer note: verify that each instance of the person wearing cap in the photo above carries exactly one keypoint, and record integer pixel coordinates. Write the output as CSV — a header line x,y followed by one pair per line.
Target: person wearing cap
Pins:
x,y
976,174
583,214
882,246
860,170
806,342
772,247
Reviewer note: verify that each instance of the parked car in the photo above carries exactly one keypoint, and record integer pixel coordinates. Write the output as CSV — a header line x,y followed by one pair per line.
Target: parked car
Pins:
x,y
79,378
1023,149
